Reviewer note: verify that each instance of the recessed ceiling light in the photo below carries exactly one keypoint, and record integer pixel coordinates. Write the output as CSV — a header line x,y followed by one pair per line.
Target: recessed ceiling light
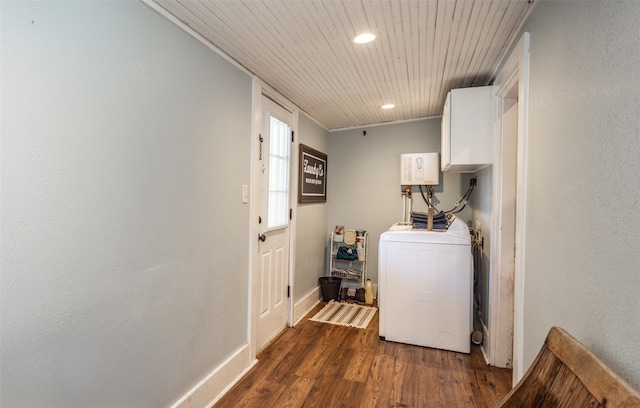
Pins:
x,y
364,38
388,106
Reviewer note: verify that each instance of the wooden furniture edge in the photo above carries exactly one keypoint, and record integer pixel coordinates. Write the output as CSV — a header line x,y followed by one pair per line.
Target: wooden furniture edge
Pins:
x,y
603,384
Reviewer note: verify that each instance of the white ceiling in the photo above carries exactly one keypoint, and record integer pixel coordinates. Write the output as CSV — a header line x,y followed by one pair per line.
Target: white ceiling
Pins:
x,y
302,49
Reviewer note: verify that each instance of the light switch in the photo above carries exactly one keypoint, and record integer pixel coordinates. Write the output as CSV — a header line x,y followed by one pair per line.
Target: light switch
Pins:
x,y
245,194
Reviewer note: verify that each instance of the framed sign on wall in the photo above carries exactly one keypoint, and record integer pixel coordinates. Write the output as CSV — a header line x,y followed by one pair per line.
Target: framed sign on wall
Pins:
x,y
312,176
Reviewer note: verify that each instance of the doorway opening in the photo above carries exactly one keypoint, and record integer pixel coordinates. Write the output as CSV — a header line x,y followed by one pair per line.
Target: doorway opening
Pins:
x,y
504,346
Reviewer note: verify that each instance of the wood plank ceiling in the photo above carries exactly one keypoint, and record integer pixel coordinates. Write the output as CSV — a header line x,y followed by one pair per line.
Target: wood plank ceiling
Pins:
x,y
303,49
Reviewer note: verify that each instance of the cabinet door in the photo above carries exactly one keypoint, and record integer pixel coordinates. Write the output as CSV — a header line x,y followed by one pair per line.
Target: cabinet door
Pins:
x,y
468,143
445,142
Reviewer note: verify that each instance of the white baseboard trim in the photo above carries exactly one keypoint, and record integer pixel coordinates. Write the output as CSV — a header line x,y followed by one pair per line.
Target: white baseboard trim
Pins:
x,y
304,306
219,381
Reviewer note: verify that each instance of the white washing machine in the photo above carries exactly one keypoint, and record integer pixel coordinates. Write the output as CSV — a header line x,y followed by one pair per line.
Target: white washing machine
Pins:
x,y
425,287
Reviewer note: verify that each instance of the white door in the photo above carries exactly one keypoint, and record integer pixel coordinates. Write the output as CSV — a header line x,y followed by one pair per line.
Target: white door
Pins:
x,y
273,245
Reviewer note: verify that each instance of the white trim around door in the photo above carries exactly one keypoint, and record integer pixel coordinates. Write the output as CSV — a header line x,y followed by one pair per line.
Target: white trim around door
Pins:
x,y
507,288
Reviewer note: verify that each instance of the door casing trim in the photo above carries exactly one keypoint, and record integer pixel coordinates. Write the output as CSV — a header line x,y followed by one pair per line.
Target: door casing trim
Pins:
x,y
516,68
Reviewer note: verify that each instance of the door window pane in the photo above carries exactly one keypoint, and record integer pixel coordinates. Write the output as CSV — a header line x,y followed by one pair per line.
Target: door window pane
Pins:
x,y
278,210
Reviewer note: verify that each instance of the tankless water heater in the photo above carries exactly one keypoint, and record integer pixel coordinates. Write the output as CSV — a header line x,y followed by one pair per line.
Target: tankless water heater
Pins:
x,y
419,169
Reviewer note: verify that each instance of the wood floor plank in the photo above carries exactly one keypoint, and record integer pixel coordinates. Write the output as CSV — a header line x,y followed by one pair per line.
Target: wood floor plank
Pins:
x,y
359,367
295,393
259,394
322,365
330,391
461,388
338,362
406,383
491,385
429,394
312,364
378,390
387,347
263,395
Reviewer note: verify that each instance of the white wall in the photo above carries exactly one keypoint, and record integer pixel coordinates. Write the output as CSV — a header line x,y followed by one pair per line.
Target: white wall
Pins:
x,y
582,268
124,147
364,179
311,220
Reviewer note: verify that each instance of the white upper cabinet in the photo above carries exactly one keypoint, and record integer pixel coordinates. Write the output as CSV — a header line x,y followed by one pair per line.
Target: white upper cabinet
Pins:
x,y
467,129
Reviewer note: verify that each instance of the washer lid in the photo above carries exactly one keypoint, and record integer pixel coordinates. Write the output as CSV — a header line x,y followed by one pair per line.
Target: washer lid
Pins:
x,y
457,234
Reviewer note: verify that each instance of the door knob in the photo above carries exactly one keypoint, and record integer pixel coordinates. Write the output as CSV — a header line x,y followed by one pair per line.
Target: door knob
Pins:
x,y
262,237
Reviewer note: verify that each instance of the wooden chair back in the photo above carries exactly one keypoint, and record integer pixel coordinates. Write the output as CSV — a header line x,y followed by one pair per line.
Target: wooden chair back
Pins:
x,y
567,374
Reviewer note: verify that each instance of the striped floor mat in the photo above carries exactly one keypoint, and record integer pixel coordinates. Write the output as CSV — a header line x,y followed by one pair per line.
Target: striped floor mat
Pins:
x,y
345,314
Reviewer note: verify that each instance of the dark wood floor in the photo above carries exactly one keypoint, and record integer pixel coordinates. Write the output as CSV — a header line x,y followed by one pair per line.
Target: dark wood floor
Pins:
x,y
323,365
